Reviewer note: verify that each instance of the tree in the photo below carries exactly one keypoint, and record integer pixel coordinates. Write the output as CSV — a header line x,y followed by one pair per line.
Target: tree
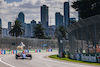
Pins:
x,y
62,30
17,29
39,31
87,8
72,22
60,33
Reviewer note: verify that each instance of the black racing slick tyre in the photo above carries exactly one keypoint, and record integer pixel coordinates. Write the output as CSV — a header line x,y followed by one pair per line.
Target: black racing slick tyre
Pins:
x,y
30,57
16,57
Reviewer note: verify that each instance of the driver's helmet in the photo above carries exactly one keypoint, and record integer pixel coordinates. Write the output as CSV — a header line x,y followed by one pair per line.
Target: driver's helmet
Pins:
x,y
23,52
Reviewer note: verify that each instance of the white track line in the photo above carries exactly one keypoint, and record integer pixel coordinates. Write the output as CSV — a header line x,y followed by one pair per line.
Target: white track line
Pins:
x,y
6,63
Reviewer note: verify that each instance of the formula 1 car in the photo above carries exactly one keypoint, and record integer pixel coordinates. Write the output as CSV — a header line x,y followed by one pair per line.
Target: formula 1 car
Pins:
x,y
23,55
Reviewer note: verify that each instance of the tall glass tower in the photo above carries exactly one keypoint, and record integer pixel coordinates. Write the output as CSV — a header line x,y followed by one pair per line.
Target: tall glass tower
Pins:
x,y
33,24
21,17
9,25
66,14
0,22
58,19
44,18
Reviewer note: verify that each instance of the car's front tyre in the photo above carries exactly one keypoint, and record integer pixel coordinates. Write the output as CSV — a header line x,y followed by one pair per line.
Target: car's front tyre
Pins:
x,y
16,57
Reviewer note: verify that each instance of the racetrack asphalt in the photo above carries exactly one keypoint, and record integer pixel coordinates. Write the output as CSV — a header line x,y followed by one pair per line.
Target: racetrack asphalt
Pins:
x,y
38,60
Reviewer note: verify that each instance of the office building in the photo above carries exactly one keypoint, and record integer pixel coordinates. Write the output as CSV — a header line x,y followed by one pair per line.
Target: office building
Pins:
x,y
4,31
66,14
39,22
9,25
28,31
33,24
58,19
21,17
44,18
0,22
52,30
23,27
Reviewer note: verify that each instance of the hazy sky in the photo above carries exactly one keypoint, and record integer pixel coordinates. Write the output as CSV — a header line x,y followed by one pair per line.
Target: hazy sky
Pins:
x,y
9,10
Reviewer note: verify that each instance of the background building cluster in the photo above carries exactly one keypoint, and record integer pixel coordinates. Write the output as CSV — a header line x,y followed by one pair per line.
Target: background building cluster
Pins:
x,y
60,20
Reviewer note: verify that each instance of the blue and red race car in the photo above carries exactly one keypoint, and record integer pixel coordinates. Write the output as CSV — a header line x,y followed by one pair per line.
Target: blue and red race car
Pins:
x,y
23,55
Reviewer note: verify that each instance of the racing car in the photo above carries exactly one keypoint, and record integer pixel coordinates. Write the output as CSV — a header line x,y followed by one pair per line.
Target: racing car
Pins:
x,y
23,55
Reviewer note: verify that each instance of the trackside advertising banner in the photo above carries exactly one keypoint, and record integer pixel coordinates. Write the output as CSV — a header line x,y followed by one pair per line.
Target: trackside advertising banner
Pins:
x,y
27,51
85,57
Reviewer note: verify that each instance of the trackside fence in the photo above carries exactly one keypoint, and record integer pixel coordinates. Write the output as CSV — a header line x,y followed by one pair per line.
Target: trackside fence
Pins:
x,y
11,43
84,39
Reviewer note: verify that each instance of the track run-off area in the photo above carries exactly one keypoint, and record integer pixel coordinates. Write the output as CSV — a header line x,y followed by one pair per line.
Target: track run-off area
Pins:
x,y
38,60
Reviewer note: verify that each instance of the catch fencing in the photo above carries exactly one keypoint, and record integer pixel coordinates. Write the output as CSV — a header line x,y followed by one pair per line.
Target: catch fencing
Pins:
x,y
11,43
84,36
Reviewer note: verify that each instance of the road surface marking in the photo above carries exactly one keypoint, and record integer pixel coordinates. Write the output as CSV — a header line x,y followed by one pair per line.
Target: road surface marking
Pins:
x,y
6,63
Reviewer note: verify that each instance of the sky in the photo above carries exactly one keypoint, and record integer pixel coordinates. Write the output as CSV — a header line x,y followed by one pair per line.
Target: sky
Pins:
x,y
9,10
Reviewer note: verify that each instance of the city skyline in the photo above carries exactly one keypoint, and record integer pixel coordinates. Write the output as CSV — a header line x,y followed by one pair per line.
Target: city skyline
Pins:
x,y
31,9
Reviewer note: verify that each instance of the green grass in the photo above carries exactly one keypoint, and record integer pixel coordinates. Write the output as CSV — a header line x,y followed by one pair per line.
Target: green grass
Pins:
x,y
67,59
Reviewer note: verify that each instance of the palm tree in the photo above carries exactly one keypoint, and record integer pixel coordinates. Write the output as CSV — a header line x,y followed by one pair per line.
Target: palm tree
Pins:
x,y
60,34
17,29
39,31
62,30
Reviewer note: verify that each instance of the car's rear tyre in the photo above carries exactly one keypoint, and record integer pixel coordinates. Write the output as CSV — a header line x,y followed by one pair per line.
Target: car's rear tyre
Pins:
x,y
30,57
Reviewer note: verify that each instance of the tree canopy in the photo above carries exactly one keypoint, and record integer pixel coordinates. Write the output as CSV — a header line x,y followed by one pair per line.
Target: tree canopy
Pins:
x,y
17,29
39,31
62,30
87,8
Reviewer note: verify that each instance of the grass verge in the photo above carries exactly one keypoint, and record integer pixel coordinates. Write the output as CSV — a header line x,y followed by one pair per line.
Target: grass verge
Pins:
x,y
67,59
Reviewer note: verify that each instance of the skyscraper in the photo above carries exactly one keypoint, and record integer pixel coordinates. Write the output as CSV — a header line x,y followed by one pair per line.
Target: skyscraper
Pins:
x,y
33,24
21,17
9,25
28,30
23,27
66,14
58,19
0,22
44,18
